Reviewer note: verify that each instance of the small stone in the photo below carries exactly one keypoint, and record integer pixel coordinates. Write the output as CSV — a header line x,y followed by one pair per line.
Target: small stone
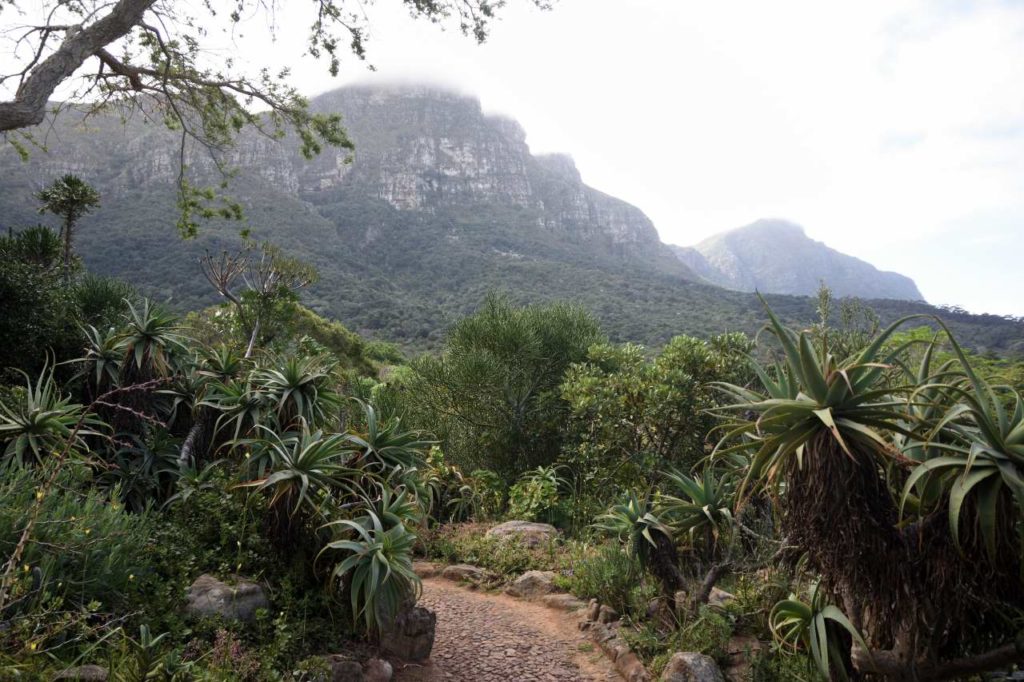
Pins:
x,y
84,673
425,569
562,602
532,584
208,596
377,670
344,669
607,615
691,667
464,572
719,599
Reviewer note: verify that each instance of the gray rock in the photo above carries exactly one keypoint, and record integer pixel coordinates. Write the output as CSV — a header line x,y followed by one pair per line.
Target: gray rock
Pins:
x,y
344,669
562,602
410,636
691,667
425,569
607,615
210,597
528,533
378,670
464,572
84,673
532,584
719,599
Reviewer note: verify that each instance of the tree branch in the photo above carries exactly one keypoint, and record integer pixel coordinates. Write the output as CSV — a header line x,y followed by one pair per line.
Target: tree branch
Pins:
x,y
29,105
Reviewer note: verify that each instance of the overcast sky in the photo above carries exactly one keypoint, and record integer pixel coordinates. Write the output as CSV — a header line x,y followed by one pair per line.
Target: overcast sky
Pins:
x,y
891,130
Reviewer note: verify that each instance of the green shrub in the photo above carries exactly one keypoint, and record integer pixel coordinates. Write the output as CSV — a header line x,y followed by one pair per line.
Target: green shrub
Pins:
x,y
467,543
706,632
610,575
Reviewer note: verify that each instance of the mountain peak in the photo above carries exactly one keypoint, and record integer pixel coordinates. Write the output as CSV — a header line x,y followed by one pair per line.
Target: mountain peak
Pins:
x,y
776,256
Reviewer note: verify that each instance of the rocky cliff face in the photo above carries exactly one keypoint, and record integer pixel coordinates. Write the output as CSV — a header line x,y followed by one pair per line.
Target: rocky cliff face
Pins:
x,y
775,256
419,150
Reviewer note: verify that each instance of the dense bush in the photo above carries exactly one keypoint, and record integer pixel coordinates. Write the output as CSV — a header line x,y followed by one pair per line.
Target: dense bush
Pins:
x,y
492,396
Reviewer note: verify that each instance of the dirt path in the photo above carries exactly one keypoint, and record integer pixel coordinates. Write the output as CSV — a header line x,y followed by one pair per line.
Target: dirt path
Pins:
x,y
484,637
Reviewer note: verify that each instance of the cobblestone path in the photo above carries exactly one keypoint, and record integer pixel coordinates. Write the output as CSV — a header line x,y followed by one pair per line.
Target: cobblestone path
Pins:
x,y
484,637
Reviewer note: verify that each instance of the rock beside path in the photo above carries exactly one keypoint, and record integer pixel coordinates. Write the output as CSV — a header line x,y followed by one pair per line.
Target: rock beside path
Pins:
x,y
465,572
562,602
410,636
528,533
691,667
208,596
532,584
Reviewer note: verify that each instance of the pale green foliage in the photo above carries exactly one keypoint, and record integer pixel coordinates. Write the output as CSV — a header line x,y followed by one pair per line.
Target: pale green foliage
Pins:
x,y
813,627
631,414
697,508
377,565
493,395
44,423
634,522
536,495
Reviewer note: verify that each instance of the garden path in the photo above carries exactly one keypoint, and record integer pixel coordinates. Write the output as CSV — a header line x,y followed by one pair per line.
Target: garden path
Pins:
x,y
486,637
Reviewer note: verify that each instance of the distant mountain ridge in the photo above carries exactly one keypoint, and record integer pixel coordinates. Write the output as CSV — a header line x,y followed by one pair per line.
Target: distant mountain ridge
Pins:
x,y
777,256
440,205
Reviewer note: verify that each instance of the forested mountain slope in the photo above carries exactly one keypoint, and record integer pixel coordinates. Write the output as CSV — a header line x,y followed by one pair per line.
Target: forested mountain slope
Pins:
x,y
440,205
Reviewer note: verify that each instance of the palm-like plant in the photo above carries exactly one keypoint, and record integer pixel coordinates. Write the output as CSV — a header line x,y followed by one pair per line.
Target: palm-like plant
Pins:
x,y
387,446
981,439
701,506
70,198
299,389
825,440
151,341
240,405
45,422
301,471
648,538
814,626
103,356
377,566
142,470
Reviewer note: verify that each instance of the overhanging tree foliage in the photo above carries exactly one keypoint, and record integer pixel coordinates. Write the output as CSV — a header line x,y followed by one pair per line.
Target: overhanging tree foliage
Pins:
x,y
149,58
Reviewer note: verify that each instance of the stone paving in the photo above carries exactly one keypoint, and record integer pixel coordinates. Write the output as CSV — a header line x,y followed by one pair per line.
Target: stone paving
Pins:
x,y
489,637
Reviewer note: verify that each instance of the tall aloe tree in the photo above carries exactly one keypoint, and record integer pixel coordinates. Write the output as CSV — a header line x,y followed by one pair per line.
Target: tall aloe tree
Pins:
x,y
70,198
838,445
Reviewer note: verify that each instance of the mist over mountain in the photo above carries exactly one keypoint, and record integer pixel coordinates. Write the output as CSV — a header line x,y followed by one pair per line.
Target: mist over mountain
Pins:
x,y
439,205
776,256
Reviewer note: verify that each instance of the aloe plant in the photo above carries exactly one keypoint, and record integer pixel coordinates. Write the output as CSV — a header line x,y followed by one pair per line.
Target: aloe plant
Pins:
x,y
46,421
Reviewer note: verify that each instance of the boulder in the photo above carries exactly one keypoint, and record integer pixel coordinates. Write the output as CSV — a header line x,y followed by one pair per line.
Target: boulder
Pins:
x,y
464,572
425,569
84,673
532,584
527,533
344,669
410,635
719,599
562,602
210,597
691,667
378,670
607,614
